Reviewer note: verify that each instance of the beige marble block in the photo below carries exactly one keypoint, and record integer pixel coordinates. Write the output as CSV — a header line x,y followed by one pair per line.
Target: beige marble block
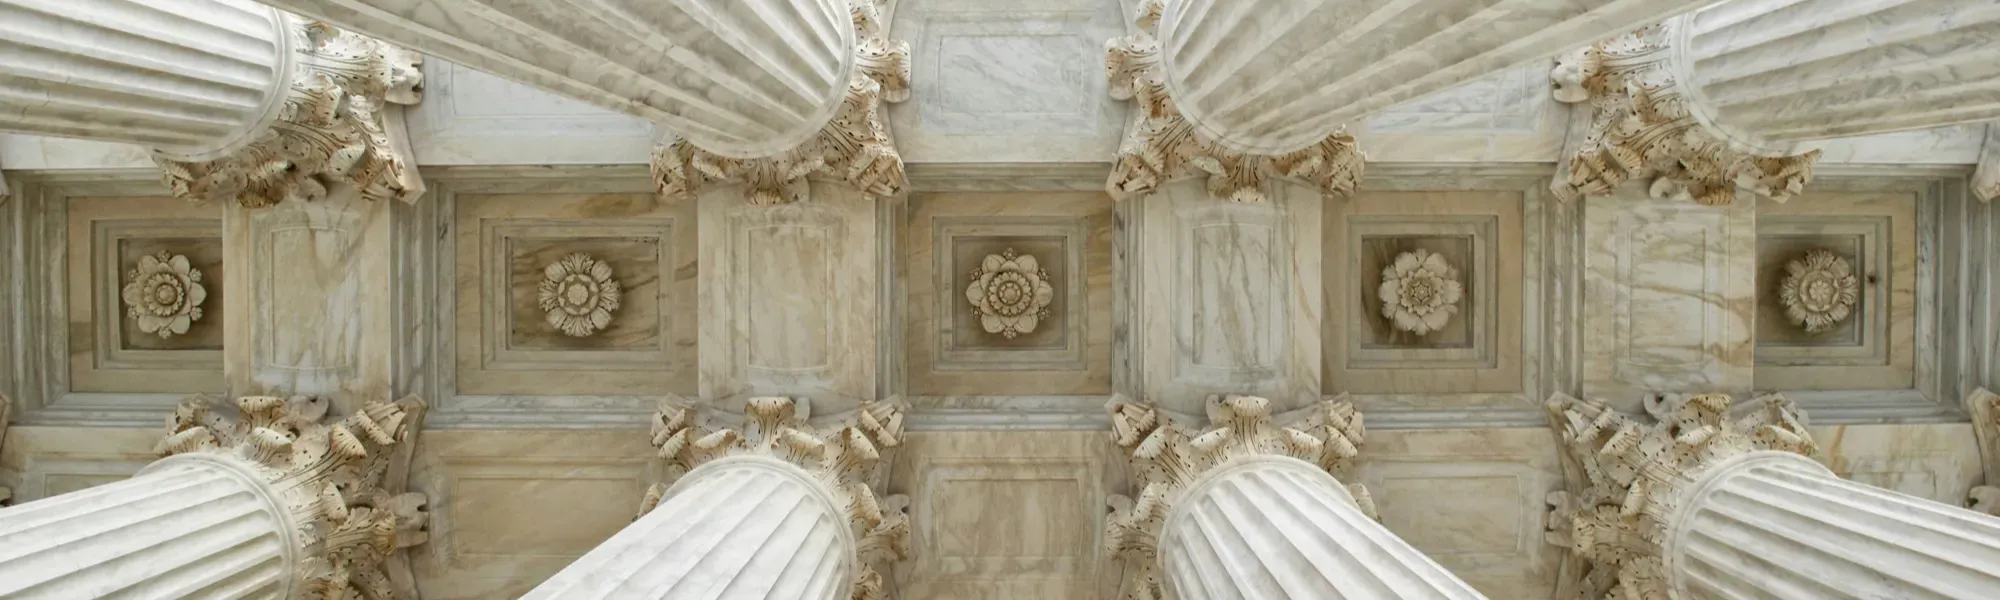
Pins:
x,y
39,462
1934,461
999,515
1668,295
312,311
1470,499
788,297
1224,297
108,349
511,508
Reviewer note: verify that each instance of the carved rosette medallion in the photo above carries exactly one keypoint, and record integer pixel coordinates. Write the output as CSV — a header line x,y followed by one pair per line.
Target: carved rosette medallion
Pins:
x,y
1167,457
164,293
1636,477
579,294
1819,290
1160,145
1010,293
1641,129
331,129
330,474
844,458
854,147
1420,291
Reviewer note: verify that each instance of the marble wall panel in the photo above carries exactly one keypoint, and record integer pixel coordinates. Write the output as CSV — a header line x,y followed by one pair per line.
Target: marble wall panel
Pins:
x,y
509,509
1936,461
951,351
1021,82
1219,294
1472,501
788,297
999,515
39,462
1508,116
1669,297
472,118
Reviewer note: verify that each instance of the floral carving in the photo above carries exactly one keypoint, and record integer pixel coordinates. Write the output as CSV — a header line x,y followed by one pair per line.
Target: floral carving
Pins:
x,y
579,294
1010,293
1420,291
333,127
1166,457
330,474
854,146
1161,145
1634,474
1641,128
164,294
1819,290
846,458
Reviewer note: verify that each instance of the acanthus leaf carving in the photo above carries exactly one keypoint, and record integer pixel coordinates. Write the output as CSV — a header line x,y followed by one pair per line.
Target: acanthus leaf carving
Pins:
x,y
855,146
330,473
1641,129
1635,476
334,127
846,459
1166,457
1985,408
1160,145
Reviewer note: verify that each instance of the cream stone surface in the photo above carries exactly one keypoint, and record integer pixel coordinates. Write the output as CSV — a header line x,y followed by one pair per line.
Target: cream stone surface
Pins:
x,y
893,272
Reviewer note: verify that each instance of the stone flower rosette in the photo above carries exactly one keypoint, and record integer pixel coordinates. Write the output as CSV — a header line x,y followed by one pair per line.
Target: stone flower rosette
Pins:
x,y
1010,293
1819,290
164,294
1420,291
579,294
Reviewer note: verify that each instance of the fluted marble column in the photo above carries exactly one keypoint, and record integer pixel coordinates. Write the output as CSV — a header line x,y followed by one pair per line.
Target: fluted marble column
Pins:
x,y
1274,76
1711,504
1778,525
1734,94
186,526
239,102
772,510
739,79
1248,509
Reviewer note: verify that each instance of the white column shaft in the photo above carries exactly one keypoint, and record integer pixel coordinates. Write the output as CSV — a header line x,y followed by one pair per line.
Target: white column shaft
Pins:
x,y
743,528
1766,74
1778,525
1273,76
183,528
1276,528
193,78
740,79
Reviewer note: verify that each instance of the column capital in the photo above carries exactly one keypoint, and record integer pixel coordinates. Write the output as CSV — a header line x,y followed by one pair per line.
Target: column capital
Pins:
x,y
1161,144
1170,460
1985,408
854,146
332,475
1645,124
843,459
339,122
1636,479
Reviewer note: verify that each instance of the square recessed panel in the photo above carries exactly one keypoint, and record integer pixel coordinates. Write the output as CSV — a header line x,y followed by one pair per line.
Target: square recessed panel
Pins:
x,y
1379,256
204,257
109,350
634,264
512,357
959,243
1011,315
1875,346
1775,254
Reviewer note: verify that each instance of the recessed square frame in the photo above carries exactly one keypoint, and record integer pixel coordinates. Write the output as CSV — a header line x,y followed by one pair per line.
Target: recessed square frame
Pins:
x,y
59,298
